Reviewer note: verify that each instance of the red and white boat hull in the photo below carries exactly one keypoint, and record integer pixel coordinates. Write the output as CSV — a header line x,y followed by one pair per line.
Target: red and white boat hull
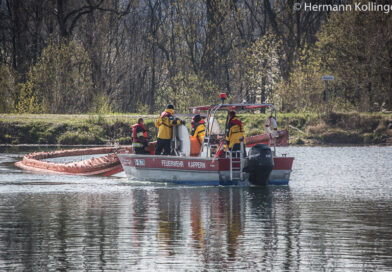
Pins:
x,y
194,171
281,172
186,170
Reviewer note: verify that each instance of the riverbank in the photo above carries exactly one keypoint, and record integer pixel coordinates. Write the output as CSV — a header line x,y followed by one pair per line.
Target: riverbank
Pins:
x,y
304,128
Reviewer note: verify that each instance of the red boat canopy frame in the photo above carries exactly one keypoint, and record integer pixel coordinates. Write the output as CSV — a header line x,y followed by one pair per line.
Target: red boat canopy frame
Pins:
x,y
233,107
212,109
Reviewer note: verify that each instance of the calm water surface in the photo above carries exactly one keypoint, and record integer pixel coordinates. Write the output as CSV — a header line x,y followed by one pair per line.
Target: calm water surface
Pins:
x,y
336,215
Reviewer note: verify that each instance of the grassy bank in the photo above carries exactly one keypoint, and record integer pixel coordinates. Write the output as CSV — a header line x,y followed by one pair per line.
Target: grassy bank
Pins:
x,y
68,129
304,128
340,128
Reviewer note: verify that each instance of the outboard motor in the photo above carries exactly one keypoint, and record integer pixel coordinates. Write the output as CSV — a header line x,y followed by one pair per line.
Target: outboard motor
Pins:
x,y
260,164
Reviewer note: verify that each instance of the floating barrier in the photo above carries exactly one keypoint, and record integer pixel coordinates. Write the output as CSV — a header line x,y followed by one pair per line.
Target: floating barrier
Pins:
x,y
105,165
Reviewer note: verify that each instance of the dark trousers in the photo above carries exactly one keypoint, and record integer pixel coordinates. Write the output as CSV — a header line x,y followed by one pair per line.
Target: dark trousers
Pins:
x,y
140,150
237,147
163,144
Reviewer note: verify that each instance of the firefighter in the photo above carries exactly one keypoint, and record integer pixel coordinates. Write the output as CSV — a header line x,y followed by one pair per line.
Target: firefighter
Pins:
x,y
234,132
165,124
198,128
140,138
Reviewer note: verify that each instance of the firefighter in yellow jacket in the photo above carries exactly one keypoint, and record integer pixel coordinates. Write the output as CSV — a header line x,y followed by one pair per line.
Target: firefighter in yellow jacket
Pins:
x,y
198,128
234,132
165,124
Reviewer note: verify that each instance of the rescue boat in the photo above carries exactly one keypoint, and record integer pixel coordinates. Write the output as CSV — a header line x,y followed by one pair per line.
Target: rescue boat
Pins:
x,y
211,164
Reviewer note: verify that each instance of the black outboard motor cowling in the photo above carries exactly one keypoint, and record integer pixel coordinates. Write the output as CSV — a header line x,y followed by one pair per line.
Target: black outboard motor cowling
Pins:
x,y
260,164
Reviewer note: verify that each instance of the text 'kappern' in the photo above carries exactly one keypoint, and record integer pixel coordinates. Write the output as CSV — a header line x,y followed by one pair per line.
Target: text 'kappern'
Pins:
x,y
180,164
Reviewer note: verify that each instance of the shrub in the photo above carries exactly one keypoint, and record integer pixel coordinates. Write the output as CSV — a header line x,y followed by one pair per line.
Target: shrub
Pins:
x,y
125,140
59,82
339,136
368,138
317,129
7,87
368,123
74,138
299,141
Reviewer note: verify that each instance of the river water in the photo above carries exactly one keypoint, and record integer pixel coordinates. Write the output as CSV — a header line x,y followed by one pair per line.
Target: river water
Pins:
x,y
335,215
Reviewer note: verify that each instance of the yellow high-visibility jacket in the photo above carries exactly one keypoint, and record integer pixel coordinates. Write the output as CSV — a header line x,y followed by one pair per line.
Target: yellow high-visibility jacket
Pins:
x,y
165,124
235,130
199,131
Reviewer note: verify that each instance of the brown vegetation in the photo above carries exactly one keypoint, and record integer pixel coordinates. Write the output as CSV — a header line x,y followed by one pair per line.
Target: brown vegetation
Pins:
x,y
304,128
68,56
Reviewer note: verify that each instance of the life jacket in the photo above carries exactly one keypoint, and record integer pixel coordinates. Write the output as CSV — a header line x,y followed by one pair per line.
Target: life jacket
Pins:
x,y
199,131
139,130
165,124
234,132
195,125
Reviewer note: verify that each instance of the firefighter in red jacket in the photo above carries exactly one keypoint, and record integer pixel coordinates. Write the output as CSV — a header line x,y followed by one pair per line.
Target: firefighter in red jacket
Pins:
x,y
140,138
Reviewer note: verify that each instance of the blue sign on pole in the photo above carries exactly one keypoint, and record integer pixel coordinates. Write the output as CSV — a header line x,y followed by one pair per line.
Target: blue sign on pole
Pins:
x,y
328,78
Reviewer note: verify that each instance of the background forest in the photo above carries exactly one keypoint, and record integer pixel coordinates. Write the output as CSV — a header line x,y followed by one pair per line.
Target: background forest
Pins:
x,y
101,56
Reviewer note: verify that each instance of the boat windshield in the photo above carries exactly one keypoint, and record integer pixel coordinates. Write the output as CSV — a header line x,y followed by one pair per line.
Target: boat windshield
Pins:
x,y
214,127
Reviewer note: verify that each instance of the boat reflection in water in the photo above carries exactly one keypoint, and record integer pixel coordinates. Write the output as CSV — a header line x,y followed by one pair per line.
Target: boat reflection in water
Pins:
x,y
196,228
210,222
160,228
218,227
341,220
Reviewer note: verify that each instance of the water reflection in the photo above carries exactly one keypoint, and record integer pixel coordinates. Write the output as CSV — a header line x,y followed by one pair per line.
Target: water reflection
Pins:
x,y
92,231
71,223
210,220
195,228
